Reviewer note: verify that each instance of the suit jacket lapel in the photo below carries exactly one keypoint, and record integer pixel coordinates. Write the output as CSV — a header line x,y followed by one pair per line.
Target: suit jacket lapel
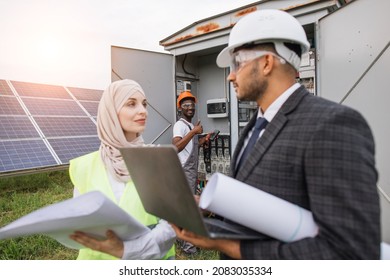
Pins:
x,y
269,135
261,146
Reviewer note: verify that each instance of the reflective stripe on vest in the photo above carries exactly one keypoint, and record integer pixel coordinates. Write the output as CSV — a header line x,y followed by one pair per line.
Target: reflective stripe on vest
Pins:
x,y
87,174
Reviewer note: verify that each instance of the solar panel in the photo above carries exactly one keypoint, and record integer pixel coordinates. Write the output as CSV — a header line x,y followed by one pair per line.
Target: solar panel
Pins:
x,y
44,126
10,106
39,90
16,127
66,127
86,94
24,154
50,107
4,88
68,148
91,107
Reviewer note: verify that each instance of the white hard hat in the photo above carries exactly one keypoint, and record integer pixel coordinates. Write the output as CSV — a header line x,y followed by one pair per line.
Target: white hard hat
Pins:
x,y
267,26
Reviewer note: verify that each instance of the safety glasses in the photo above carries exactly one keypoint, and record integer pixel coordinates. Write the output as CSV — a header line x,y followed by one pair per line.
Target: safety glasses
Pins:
x,y
243,57
188,105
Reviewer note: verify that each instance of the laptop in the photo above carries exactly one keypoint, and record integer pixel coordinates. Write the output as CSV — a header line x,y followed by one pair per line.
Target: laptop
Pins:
x,y
164,191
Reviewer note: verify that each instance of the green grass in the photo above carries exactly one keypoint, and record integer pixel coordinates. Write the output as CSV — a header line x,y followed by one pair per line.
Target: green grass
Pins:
x,y
23,194
199,255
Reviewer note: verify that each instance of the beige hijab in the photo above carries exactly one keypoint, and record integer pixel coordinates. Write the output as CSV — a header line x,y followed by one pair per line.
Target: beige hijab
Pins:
x,y
110,130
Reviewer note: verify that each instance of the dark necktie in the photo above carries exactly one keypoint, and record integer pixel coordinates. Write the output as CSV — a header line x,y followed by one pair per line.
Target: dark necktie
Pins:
x,y
259,126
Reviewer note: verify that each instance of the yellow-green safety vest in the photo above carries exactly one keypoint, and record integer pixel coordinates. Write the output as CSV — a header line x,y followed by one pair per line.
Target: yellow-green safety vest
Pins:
x,y
88,173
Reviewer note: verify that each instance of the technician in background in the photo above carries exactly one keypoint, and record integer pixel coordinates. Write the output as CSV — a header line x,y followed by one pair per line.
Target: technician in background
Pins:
x,y
186,140
307,150
186,137
121,119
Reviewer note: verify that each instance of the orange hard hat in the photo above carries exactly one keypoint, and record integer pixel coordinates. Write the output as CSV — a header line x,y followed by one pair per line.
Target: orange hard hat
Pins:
x,y
183,95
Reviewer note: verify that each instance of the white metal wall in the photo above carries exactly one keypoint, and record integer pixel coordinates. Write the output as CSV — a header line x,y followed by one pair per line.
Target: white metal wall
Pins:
x,y
353,69
211,86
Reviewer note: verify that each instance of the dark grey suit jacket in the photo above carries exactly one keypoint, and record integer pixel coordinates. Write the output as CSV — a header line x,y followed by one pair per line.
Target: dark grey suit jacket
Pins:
x,y
319,155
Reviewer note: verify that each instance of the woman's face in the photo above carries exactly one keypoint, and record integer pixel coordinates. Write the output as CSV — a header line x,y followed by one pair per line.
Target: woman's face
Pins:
x,y
132,116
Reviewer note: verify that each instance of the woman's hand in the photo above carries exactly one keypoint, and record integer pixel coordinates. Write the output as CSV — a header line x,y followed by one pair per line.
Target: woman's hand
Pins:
x,y
112,245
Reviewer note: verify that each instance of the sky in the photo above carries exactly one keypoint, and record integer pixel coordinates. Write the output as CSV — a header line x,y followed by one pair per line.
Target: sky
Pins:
x,y
68,42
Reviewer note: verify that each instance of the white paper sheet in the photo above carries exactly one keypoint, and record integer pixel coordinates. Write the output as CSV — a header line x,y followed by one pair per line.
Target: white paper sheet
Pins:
x,y
385,251
92,213
257,209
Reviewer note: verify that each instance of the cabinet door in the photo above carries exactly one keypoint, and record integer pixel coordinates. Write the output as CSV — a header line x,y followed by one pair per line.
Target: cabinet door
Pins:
x,y
155,73
353,69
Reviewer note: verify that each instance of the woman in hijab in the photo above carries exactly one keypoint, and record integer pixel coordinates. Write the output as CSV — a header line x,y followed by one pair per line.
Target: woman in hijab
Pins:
x,y
121,119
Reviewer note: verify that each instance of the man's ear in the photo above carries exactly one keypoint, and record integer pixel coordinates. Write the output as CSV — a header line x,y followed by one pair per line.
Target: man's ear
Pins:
x,y
268,64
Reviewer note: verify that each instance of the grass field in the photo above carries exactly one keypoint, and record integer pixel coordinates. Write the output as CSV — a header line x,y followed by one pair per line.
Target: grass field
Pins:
x,y
23,194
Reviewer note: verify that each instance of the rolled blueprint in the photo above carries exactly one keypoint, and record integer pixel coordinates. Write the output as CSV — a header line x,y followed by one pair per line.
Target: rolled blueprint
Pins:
x,y
256,209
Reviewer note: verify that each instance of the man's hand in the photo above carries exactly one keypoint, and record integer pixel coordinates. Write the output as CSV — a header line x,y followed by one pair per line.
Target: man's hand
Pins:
x,y
205,140
112,245
198,128
226,246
